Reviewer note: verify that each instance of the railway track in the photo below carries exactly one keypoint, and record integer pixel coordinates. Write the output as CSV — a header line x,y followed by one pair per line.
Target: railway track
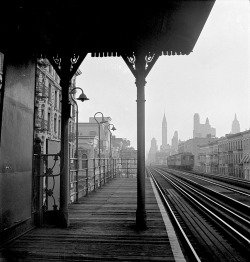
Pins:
x,y
242,183
236,198
209,230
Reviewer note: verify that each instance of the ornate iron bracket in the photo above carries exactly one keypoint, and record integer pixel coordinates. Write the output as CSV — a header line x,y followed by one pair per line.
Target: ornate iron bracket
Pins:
x,y
66,64
134,61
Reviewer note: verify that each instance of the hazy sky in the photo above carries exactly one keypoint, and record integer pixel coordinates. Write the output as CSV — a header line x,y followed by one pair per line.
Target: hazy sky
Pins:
x,y
213,81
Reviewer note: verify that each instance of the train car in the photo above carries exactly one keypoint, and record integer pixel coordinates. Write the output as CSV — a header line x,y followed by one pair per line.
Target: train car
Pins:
x,y
181,161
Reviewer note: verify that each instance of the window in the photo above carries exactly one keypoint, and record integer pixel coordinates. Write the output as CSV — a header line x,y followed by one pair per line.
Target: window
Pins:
x,y
60,102
49,95
59,128
55,124
56,93
48,122
42,113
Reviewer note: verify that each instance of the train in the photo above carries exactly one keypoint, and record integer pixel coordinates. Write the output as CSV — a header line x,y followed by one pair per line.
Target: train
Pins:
x,y
183,161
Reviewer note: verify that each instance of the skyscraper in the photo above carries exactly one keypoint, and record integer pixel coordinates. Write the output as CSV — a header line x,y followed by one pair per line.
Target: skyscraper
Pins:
x,y
175,142
235,126
164,133
152,151
202,130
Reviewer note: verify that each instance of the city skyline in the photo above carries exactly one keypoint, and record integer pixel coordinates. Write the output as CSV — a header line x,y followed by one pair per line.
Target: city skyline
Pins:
x,y
159,143
213,80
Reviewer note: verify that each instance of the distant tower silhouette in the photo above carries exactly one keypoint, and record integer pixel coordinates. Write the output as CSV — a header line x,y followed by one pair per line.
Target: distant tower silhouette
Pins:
x,y
196,130
175,142
235,126
152,151
164,133
207,121
202,130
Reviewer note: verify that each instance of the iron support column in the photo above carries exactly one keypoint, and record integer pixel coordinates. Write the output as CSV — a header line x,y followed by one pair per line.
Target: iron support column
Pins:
x,y
140,64
66,66
141,215
64,178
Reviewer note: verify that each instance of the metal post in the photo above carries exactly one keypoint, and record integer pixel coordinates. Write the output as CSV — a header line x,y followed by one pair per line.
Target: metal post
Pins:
x,y
64,178
99,142
110,138
87,178
94,173
103,121
77,155
141,216
82,98
105,170
100,169
127,169
110,148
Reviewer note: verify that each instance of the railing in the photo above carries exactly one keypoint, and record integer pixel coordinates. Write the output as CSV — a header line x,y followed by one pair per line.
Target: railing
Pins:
x,y
128,167
86,175
46,183
93,173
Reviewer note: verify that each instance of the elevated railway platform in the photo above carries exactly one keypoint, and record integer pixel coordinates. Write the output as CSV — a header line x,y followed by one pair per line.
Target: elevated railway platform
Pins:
x,y
102,228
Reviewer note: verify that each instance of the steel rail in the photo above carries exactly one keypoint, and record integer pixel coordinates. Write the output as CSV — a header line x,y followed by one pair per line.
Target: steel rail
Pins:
x,y
214,202
217,184
206,209
230,198
160,190
229,178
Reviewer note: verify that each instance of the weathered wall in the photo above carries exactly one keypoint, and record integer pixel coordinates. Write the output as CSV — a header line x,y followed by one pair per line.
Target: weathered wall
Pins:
x,y
16,145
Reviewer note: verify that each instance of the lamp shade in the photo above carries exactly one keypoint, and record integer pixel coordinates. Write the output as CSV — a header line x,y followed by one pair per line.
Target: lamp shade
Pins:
x,y
82,97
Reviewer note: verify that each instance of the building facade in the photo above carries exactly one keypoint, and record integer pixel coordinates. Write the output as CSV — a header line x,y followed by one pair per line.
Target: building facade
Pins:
x,y
91,129
1,72
48,107
208,160
228,155
1,81
245,160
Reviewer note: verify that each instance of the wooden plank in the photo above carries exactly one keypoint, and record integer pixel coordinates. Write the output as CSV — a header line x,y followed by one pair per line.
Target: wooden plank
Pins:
x,y
102,228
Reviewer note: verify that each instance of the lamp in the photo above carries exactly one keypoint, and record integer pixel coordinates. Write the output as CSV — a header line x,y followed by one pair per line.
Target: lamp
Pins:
x,y
82,98
113,129
101,122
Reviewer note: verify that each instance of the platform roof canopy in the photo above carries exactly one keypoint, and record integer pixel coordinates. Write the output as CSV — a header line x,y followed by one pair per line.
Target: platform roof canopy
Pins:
x,y
102,29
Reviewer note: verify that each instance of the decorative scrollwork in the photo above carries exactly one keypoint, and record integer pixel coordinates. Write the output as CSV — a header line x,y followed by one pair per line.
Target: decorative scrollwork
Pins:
x,y
148,58
73,61
57,61
132,59
48,174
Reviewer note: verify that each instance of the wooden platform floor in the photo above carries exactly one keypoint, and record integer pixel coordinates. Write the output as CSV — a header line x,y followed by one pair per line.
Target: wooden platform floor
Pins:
x,y
102,228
